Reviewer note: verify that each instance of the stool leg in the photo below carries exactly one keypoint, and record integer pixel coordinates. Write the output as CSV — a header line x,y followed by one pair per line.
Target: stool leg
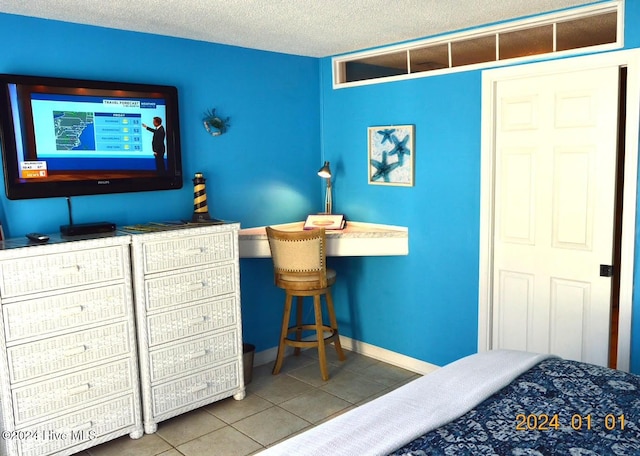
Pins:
x,y
296,351
322,355
334,325
283,334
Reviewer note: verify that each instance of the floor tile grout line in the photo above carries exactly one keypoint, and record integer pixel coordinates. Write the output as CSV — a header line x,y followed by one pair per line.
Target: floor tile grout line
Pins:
x,y
227,425
316,423
249,437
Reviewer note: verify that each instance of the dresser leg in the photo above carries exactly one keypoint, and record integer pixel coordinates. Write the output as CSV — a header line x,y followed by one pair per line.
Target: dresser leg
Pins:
x,y
150,428
239,395
138,433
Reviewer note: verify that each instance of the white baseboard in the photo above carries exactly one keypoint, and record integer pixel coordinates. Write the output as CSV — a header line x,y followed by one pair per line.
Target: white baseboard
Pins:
x,y
388,356
372,351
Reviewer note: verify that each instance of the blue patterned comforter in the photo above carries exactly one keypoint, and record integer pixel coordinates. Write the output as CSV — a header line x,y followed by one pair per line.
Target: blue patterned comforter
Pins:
x,y
558,407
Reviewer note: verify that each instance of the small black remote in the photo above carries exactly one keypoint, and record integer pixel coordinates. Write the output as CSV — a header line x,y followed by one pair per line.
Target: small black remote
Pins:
x,y
37,237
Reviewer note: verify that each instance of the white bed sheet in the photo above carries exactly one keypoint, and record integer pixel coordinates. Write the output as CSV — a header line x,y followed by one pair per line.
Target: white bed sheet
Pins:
x,y
389,422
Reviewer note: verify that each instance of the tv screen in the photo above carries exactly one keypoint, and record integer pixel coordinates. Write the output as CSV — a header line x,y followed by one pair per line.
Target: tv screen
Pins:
x,y
68,137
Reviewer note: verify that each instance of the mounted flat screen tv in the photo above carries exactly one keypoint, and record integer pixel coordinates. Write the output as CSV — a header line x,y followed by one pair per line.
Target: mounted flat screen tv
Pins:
x,y
68,137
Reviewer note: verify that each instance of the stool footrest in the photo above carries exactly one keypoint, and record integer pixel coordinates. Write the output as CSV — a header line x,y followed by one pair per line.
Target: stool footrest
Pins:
x,y
333,334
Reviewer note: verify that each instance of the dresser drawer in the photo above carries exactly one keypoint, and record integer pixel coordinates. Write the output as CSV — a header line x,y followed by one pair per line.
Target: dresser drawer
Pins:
x,y
35,359
41,316
61,270
193,285
194,354
195,388
178,253
189,321
91,423
43,398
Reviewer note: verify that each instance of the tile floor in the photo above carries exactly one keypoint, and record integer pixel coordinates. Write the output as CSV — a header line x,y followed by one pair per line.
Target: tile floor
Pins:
x,y
276,407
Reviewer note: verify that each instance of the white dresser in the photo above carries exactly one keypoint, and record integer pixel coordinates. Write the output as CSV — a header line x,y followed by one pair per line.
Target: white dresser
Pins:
x,y
69,377
187,301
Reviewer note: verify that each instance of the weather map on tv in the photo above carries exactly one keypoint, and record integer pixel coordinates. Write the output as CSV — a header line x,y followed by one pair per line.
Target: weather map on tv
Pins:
x,y
74,130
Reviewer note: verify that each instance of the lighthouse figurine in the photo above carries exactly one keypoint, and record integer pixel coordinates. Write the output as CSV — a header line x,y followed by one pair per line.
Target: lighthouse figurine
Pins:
x,y
200,208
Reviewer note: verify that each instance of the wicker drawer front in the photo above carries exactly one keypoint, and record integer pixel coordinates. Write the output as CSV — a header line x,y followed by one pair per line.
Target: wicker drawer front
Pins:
x,y
38,400
193,355
186,252
45,357
190,321
61,270
195,285
75,428
40,316
195,388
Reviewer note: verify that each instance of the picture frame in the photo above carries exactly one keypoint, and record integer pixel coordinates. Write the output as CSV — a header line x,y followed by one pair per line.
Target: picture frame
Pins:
x,y
391,155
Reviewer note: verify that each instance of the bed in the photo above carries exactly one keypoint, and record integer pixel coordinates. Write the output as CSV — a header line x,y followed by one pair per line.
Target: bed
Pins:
x,y
499,402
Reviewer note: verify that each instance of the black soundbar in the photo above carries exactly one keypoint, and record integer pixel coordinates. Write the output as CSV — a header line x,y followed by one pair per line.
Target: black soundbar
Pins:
x,y
77,229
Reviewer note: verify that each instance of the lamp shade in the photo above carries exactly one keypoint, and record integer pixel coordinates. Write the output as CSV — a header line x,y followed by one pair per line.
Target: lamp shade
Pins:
x,y
325,171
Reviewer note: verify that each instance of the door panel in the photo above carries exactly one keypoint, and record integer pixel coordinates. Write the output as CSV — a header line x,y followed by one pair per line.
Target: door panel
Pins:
x,y
569,308
573,203
517,197
514,309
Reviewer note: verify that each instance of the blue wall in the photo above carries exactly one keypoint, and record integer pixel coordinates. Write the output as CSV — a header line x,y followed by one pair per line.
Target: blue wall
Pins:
x,y
272,100
424,305
429,297
285,115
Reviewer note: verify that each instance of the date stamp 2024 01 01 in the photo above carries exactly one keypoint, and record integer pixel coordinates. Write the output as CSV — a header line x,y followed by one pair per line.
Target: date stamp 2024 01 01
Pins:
x,y
578,422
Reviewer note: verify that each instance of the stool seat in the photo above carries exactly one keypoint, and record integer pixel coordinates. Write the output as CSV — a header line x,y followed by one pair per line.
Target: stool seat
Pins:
x,y
293,281
299,263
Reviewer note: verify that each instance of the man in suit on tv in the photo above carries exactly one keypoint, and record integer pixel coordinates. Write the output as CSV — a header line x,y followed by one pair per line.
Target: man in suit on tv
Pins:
x,y
157,143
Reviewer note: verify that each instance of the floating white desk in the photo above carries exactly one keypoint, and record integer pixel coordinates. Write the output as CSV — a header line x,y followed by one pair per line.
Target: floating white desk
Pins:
x,y
357,239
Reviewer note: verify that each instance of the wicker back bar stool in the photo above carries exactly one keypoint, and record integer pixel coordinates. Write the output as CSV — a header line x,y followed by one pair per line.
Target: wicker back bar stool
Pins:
x,y
299,264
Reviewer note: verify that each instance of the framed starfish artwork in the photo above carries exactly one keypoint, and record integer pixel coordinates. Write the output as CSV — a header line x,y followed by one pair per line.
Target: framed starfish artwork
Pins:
x,y
391,155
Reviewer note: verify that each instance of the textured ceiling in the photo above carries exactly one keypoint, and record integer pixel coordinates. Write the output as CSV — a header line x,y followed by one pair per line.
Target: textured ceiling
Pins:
x,y
316,28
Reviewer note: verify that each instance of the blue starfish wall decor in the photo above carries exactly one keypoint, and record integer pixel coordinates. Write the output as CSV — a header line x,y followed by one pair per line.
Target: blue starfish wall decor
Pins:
x,y
400,148
383,168
386,134
391,155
